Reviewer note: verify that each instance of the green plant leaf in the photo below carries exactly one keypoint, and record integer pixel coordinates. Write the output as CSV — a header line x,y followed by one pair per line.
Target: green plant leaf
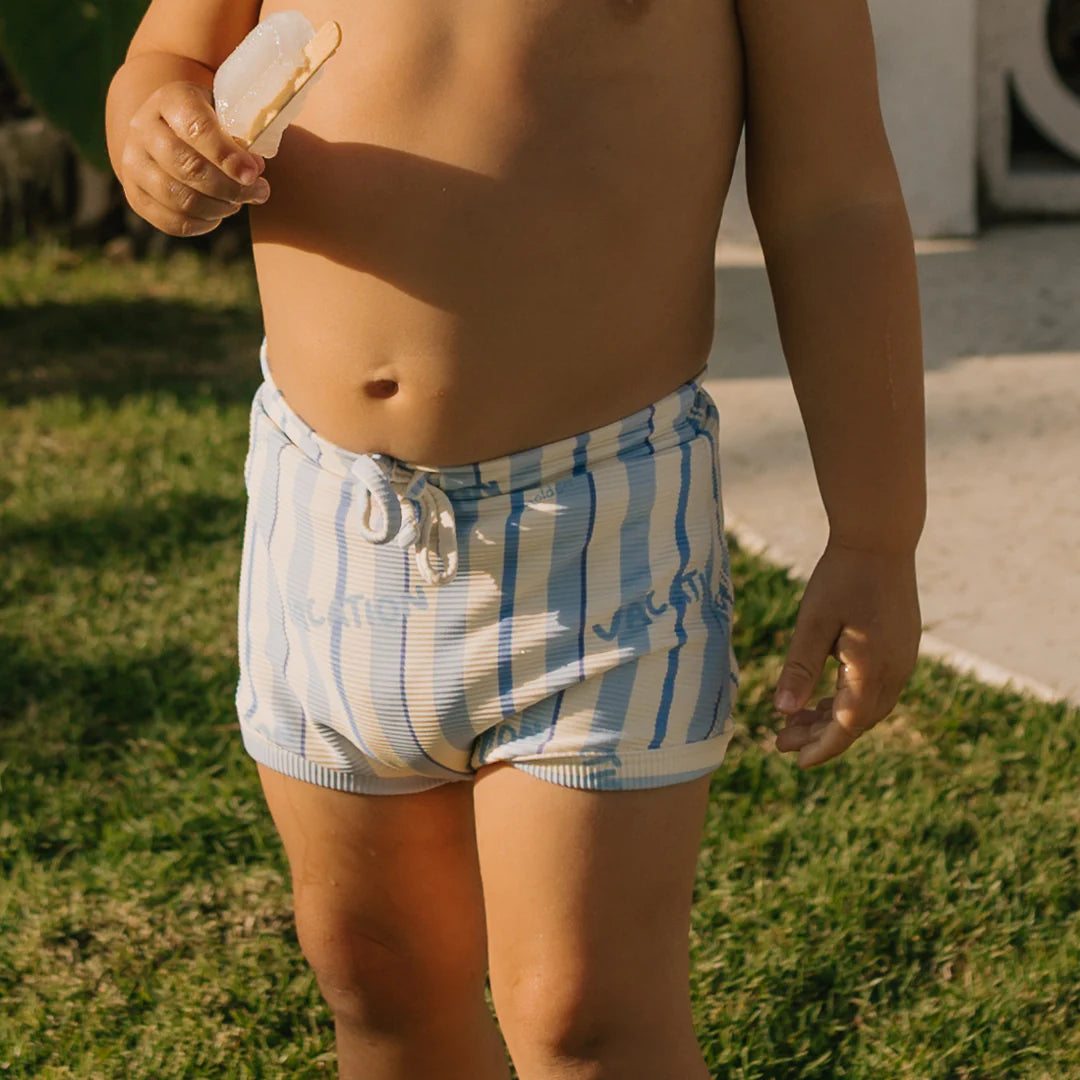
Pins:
x,y
64,53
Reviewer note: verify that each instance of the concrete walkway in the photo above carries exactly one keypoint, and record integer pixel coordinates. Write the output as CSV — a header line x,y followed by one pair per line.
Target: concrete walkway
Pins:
x,y
999,564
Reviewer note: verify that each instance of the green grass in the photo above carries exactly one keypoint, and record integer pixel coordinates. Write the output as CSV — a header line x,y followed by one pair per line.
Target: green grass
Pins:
x,y
909,912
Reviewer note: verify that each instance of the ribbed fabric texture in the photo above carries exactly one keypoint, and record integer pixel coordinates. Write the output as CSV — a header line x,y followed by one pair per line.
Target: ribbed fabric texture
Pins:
x,y
585,636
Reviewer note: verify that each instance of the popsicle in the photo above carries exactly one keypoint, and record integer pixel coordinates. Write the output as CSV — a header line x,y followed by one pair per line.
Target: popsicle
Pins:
x,y
261,86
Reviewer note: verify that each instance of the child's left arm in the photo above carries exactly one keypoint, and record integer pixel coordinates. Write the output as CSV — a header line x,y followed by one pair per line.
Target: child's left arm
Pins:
x,y
830,214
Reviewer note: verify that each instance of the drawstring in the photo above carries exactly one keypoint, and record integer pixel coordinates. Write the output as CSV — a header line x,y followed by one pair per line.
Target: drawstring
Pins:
x,y
422,516
377,494
438,530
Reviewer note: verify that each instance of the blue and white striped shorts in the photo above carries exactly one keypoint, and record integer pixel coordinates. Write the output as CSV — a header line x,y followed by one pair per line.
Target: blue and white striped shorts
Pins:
x,y
566,608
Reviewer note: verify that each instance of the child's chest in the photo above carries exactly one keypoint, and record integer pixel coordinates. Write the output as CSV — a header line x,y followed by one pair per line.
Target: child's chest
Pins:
x,y
488,79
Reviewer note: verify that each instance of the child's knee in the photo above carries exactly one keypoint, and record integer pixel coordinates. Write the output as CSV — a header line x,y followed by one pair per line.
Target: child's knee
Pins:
x,y
381,978
578,1016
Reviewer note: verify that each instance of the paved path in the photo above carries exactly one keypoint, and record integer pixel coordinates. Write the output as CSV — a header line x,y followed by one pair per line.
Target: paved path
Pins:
x,y
999,564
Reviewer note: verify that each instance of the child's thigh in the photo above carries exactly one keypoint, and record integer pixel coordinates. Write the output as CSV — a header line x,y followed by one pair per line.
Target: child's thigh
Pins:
x,y
386,887
588,895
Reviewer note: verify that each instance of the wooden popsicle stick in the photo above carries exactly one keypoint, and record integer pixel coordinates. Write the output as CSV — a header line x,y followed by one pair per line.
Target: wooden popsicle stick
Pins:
x,y
323,45
317,51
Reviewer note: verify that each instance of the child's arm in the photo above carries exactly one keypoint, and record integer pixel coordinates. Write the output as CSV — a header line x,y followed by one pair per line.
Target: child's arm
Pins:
x,y
828,207
180,171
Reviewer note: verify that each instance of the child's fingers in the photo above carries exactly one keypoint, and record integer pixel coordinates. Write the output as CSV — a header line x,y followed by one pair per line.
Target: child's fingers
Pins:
x,y
858,697
811,644
180,171
184,164
869,681
816,734
804,726
857,707
167,218
799,735
188,110
178,197
831,741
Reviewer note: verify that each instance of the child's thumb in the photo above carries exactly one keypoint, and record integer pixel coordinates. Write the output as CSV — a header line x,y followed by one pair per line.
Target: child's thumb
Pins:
x,y
811,644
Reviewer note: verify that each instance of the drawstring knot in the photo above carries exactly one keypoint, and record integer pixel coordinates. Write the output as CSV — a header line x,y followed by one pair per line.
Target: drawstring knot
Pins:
x,y
421,516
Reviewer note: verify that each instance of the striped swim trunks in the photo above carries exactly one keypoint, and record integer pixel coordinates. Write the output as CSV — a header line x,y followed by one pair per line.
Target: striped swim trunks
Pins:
x,y
566,609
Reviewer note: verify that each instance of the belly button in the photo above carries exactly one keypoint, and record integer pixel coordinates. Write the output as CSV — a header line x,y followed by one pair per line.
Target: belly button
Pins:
x,y
381,388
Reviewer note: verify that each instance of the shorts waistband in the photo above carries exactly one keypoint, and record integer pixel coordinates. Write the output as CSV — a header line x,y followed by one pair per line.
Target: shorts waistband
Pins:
x,y
672,420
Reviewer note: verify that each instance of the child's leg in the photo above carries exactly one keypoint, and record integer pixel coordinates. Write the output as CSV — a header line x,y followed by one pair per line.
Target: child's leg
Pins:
x,y
588,900
389,913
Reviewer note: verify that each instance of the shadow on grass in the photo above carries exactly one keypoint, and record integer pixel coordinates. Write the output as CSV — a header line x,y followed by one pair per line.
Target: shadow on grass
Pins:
x,y
61,711
151,534
111,349
87,737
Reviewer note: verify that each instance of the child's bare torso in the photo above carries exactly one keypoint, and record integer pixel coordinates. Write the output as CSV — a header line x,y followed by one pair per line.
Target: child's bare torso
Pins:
x,y
493,226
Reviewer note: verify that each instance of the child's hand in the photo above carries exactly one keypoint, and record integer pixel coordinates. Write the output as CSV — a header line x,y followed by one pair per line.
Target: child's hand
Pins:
x,y
180,171
861,607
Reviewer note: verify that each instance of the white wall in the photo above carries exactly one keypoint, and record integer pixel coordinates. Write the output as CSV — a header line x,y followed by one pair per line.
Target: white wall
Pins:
x,y
926,54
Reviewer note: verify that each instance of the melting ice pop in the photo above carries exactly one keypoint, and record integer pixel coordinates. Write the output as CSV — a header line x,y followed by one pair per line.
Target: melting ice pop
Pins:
x,y
261,86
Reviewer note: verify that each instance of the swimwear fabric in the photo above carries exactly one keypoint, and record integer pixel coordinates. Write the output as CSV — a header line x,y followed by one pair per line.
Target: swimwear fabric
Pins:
x,y
583,632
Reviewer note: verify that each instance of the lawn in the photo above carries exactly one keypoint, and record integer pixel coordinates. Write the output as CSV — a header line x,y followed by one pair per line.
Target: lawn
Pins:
x,y
912,911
